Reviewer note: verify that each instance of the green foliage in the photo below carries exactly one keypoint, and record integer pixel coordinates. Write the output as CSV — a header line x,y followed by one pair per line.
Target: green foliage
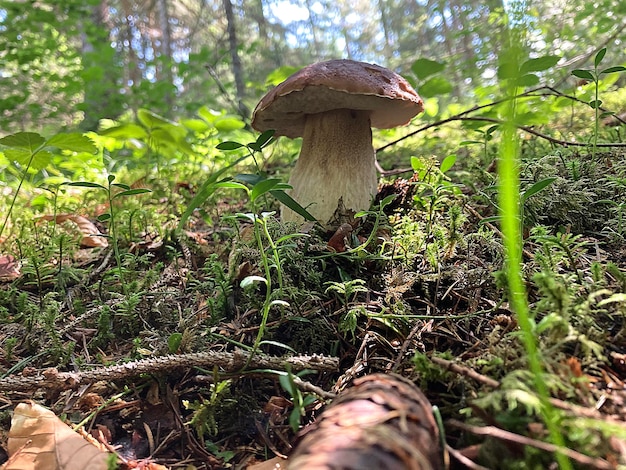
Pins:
x,y
113,192
594,76
509,205
300,400
31,152
204,410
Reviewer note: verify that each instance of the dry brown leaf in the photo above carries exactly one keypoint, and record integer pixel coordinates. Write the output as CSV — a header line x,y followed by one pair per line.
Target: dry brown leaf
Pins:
x,y
340,239
39,440
9,268
92,237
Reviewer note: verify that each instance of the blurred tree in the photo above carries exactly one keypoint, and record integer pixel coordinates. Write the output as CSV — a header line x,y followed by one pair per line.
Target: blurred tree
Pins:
x,y
101,71
66,60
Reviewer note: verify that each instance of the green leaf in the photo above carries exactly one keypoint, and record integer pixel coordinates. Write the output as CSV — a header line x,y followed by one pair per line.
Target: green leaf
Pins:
x,y
539,64
599,56
248,178
229,145
615,69
231,185
152,120
209,115
74,142
173,342
595,104
507,70
417,164
423,68
126,131
387,200
162,136
434,87
132,192
123,186
104,217
280,74
86,184
447,163
35,161
196,125
538,186
287,384
23,140
229,123
527,80
292,204
263,187
262,141
21,156
584,74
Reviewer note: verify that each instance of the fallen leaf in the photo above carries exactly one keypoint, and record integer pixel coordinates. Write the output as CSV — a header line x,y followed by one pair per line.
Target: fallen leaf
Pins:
x,y
9,268
339,241
39,440
92,236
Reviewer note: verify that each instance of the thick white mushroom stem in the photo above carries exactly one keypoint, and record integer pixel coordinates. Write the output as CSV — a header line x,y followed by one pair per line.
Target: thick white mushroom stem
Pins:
x,y
336,163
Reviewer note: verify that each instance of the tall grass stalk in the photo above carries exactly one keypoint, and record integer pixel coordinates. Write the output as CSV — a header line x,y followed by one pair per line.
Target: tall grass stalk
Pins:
x,y
509,198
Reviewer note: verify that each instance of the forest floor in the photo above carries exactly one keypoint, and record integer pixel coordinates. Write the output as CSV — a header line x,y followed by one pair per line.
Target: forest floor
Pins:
x,y
212,348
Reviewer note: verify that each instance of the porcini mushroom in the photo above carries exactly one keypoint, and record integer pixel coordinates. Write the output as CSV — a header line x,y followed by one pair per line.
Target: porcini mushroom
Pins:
x,y
333,106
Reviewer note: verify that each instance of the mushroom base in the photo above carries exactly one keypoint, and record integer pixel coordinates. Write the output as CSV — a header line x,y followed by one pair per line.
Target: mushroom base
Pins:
x,y
335,175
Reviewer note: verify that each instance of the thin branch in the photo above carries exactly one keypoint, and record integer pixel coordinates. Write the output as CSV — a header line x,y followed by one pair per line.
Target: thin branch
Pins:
x,y
466,371
532,93
492,431
530,130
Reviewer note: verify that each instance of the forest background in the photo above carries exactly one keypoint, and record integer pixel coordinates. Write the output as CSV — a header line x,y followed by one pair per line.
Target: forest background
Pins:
x,y
68,63
158,94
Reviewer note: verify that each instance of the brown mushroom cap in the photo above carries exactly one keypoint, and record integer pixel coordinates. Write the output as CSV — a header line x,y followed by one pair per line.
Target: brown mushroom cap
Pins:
x,y
337,84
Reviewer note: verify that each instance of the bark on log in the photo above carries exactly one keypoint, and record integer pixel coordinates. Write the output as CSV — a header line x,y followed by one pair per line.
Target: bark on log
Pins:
x,y
382,422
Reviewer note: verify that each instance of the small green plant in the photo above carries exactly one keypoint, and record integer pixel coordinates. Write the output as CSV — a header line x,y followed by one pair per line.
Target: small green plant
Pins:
x,y
32,153
113,192
299,400
434,188
203,416
509,203
486,136
594,75
346,293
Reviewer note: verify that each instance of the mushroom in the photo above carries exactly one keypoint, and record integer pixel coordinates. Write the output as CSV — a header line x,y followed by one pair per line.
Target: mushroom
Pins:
x,y
333,106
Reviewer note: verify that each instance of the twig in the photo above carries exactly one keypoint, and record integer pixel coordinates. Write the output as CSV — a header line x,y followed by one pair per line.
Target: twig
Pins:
x,y
464,459
532,93
471,373
554,140
492,431
226,361
305,386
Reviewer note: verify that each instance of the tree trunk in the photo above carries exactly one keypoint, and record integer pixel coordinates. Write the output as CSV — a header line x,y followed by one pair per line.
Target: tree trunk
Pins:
x,y
166,53
384,23
237,69
101,74
316,42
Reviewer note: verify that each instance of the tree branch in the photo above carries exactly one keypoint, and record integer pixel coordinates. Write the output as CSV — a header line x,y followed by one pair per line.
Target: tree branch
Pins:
x,y
532,93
